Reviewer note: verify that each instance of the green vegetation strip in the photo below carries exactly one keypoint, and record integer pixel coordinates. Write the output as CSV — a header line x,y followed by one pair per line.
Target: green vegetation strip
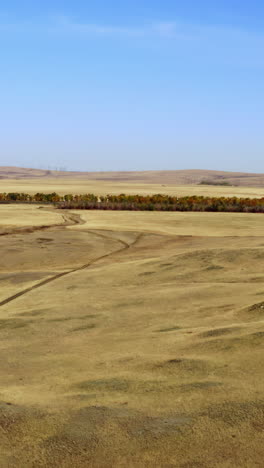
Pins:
x,y
139,202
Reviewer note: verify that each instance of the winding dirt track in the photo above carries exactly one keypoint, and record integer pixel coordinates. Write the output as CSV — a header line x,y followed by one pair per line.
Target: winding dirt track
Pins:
x,y
69,220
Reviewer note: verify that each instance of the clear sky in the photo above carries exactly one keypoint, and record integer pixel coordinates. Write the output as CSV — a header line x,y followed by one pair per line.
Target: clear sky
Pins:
x,y
132,85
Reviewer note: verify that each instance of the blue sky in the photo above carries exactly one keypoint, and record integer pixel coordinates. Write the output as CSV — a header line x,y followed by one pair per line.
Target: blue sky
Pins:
x,y
115,85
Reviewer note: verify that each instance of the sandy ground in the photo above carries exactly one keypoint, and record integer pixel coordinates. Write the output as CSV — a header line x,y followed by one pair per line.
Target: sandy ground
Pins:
x,y
132,339
85,185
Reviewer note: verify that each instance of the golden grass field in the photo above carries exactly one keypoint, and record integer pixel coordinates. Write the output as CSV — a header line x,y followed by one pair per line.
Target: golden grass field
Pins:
x,y
131,339
70,185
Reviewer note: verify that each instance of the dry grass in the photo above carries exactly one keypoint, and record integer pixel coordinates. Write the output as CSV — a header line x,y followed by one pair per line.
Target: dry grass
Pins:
x,y
152,356
26,215
175,177
65,185
178,223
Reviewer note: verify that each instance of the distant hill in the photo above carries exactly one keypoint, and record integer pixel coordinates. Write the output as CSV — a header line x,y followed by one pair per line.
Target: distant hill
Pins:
x,y
180,177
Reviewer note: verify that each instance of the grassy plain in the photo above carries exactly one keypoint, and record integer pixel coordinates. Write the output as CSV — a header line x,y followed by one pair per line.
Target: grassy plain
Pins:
x,y
131,339
15,216
63,185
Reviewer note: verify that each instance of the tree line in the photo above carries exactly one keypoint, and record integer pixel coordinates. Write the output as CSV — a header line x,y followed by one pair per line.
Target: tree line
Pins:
x,y
156,202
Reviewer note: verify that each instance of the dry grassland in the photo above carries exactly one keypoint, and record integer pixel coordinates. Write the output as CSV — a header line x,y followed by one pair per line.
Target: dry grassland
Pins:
x,y
131,339
173,177
63,185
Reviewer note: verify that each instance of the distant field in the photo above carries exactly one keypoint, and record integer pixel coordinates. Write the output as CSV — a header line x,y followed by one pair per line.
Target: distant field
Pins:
x,y
81,186
172,177
131,338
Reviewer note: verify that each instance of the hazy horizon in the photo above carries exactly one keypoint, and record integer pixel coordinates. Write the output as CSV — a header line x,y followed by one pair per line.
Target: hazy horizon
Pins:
x,y
65,169
148,86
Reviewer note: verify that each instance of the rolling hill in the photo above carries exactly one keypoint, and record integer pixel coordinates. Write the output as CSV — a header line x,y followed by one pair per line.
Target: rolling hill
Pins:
x,y
177,177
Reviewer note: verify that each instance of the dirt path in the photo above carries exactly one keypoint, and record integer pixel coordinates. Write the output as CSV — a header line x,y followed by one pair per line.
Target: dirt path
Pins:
x,y
69,220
